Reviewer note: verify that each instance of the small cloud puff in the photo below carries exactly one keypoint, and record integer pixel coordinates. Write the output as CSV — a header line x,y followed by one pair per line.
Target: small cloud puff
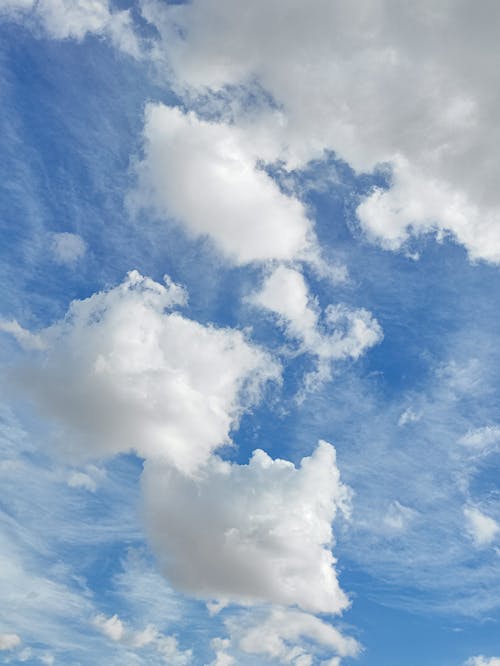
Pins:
x,y
481,528
9,641
68,248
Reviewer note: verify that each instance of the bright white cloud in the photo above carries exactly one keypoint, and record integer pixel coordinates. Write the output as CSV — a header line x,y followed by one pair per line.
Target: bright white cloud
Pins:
x,y
412,86
338,333
205,175
482,529
250,533
68,248
280,634
9,641
120,373
483,661
75,19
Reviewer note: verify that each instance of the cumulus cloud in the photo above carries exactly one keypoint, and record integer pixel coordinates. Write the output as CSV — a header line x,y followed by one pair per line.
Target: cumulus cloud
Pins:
x,y
205,175
9,641
75,19
286,635
482,528
68,248
124,372
338,333
166,646
250,533
411,86
483,661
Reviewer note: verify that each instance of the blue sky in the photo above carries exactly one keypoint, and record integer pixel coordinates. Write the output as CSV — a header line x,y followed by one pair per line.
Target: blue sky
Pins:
x,y
318,186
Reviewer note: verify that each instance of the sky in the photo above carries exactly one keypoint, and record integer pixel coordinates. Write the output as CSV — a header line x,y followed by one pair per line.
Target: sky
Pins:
x,y
249,333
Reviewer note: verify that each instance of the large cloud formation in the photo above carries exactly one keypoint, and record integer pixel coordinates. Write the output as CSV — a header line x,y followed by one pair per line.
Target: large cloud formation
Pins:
x,y
123,372
250,533
409,85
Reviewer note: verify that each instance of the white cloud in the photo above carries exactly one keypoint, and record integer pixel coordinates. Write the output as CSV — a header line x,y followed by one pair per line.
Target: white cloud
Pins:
x,y
412,86
222,658
120,373
205,175
483,439
482,529
398,516
249,533
24,337
68,248
9,641
88,480
111,627
288,635
75,19
166,646
338,333
483,661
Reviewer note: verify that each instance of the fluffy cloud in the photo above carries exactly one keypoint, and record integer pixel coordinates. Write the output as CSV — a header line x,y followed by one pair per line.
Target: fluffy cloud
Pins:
x,y
483,661
9,641
339,333
166,646
120,373
63,19
205,175
481,528
249,533
68,248
411,86
286,635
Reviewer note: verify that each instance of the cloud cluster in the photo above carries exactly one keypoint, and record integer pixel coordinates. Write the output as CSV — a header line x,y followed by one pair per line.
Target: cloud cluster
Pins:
x,y
337,334
408,86
123,372
166,646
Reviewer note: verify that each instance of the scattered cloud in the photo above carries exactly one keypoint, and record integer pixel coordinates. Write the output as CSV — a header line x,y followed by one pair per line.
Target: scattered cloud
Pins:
x,y
68,248
482,528
337,334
